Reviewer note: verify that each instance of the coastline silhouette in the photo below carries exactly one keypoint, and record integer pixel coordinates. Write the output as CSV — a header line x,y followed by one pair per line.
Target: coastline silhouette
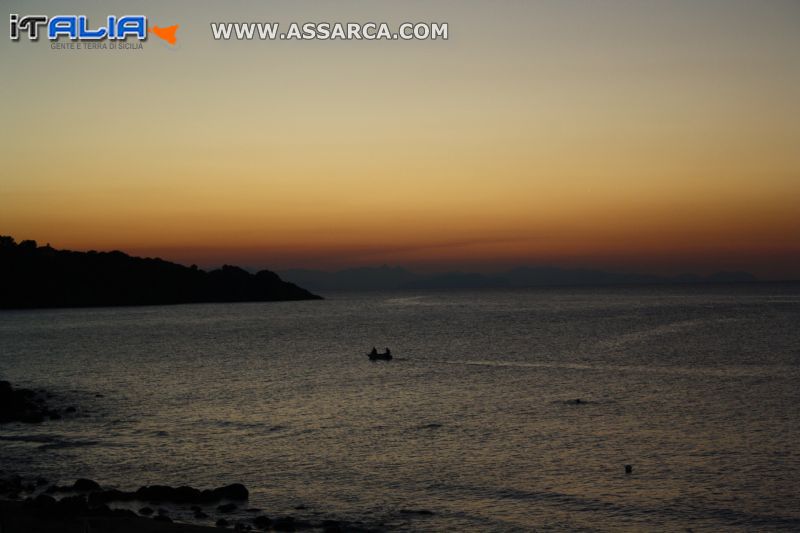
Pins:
x,y
40,276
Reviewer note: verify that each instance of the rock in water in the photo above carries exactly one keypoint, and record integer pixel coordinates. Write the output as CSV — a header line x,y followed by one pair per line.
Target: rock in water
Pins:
x,y
85,485
262,522
235,491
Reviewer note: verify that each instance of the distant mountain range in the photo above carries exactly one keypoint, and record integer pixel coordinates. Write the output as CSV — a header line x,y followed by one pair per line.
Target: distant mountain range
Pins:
x,y
392,278
34,276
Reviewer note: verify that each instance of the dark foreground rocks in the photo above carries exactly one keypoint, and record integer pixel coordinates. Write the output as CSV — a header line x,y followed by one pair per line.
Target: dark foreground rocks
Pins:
x,y
165,493
49,516
84,502
24,405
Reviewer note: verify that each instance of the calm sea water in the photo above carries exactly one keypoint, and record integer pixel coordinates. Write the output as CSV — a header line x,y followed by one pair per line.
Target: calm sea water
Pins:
x,y
697,387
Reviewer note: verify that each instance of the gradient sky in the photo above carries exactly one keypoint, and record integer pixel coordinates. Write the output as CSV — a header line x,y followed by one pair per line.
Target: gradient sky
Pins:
x,y
659,136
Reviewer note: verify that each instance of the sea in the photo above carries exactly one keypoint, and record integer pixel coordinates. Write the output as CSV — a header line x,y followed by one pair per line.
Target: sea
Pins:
x,y
502,410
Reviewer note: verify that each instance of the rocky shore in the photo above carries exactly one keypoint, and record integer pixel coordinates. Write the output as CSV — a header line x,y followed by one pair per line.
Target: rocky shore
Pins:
x,y
17,517
35,505
26,405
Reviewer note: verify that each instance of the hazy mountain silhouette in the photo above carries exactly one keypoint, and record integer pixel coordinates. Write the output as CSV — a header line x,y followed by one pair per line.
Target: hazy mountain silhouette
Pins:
x,y
393,278
367,278
40,276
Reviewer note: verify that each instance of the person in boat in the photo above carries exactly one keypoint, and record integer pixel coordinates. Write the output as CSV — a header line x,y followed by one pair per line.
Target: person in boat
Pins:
x,y
374,351
388,351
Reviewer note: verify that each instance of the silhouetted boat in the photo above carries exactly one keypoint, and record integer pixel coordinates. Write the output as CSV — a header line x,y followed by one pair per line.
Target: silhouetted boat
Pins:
x,y
375,356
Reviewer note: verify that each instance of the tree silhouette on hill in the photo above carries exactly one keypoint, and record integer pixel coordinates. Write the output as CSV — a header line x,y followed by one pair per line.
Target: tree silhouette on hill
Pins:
x,y
33,276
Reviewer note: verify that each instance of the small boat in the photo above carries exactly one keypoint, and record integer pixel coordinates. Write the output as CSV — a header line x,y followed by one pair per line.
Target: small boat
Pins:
x,y
375,356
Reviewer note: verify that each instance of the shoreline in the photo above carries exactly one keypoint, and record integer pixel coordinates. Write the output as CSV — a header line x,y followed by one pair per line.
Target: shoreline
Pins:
x,y
36,505
16,517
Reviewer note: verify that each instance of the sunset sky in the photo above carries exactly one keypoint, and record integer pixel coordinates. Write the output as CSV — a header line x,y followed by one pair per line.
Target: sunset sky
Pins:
x,y
655,136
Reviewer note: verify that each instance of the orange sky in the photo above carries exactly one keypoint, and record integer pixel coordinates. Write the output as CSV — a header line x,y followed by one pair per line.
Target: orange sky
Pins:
x,y
661,138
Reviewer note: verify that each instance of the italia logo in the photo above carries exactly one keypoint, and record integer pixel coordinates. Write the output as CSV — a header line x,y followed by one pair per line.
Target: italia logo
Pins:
x,y
78,28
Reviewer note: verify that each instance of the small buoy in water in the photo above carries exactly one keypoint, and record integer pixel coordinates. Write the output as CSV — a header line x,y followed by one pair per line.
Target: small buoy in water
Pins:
x,y
628,469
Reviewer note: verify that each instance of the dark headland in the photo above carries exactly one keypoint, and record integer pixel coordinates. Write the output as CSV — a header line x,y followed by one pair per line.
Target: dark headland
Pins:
x,y
33,276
